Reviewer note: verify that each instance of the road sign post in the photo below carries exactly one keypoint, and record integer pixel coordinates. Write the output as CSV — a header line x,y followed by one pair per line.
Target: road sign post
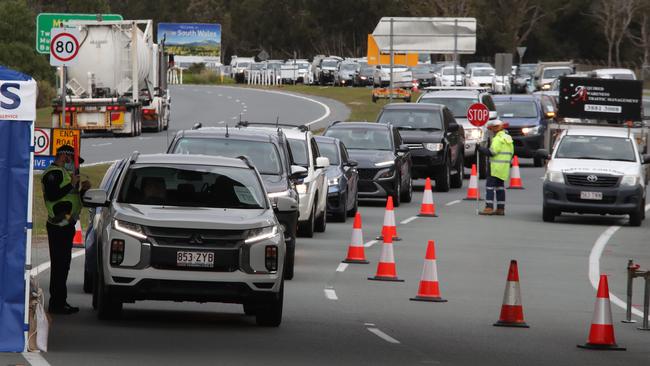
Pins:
x,y
478,115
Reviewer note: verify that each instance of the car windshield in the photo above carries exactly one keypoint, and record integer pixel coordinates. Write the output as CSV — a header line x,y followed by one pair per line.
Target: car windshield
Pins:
x,y
303,66
257,66
348,67
192,186
482,72
422,69
525,70
412,120
299,152
457,106
362,139
367,71
329,150
509,109
596,148
622,76
244,65
329,63
263,155
555,73
450,71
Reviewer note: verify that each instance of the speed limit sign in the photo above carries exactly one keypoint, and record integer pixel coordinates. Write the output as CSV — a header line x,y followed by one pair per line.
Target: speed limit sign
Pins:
x,y
64,46
42,141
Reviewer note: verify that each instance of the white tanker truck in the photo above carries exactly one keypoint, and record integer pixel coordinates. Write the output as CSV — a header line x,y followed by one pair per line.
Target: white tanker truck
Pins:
x,y
118,82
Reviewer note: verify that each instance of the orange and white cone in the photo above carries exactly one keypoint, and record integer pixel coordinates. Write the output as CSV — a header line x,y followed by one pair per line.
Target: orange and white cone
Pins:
x,y
515,175
429,289
428,208
473,191
356,250
512,311
386,270
78,241
389,228
601,333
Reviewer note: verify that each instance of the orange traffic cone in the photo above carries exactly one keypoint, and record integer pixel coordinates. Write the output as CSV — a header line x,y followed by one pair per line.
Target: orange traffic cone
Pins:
x,y
512,311
356,250
428,208
386,270
389,228
415,86
429,289
78,241
601,333
515,175
472,191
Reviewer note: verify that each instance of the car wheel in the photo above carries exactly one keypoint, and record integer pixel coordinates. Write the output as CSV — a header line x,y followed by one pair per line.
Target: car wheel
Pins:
x,y
483,168
88,282
397,196
407,195
342,215
269,314
537,162
457,179
443,179
636,217
290,260
306,229
321,222
548,214
353,211
107,307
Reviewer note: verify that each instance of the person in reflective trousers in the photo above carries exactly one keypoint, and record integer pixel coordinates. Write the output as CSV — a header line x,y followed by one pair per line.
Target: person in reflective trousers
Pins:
x,y
62,196
500,153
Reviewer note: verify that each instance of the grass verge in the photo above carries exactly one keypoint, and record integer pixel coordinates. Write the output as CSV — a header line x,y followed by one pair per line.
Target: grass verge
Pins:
x,y
43,117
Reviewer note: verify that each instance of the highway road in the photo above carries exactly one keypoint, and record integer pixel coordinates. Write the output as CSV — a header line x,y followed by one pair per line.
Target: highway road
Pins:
x,y
334,315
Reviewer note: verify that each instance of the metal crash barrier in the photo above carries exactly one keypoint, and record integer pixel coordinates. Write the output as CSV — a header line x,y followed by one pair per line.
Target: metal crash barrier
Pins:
x,y
633,272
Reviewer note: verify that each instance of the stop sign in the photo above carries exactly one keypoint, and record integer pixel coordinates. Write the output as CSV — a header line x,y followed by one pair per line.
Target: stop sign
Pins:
x,y
478,114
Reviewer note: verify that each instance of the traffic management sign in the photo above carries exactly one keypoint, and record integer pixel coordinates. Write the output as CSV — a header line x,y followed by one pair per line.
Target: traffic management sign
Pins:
x,y
64,46
46,21
47,141
478,114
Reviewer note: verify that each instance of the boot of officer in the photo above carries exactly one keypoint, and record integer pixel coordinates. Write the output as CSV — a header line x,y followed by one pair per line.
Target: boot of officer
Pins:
x,y
62,195
500,153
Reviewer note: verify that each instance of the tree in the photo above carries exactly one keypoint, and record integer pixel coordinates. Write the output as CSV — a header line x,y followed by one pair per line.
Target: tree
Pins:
x,y
615,17
641,38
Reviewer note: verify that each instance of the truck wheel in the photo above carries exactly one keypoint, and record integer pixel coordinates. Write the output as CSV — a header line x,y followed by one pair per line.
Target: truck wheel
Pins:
x,y
269,314
457,179
443,179
548,214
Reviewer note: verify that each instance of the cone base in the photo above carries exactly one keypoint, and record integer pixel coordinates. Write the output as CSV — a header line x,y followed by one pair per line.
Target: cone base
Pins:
x,y
428,299
77,245
472,199
427,215
642,328
510,324
603,347
381,278
357,261
631,321
381,237
516,188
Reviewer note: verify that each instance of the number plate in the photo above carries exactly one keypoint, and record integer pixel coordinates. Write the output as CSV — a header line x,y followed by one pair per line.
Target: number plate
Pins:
x,y
195,259
596,196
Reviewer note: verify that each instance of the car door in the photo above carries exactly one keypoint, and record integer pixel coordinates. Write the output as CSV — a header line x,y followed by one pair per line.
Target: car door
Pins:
x,y
319,173
351,175
452,138
403,159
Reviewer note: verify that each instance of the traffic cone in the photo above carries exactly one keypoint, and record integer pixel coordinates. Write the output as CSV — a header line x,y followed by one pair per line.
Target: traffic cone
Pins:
x,y
512,311
415,86
601,333
428,208
515,175
386,270
78,241
473,191
389,228
356,250
429,289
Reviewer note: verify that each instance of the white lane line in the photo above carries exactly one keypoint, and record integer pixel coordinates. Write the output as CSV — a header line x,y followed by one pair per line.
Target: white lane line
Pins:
x,y
144,138
404,222
330,294
342,267
229,97
383,335
453,202
209,92
220,122
46,265
370,243
369,324
236,100
35,359
220,95
594,265
102,144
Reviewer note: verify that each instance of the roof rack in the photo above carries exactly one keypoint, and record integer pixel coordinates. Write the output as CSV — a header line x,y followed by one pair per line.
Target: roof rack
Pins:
x,y
477,88
302,128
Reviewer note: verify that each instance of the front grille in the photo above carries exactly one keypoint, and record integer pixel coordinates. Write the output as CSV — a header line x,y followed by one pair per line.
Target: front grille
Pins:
x,y
515,132
366,186
576,198
367,173
177,237
584,180
415,146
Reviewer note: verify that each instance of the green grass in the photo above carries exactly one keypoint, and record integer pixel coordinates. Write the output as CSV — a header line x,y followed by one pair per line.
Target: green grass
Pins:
x,y
206,77
44,117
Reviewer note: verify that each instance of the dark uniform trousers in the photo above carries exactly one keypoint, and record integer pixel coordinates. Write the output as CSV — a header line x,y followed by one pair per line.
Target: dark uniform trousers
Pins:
x,y
60,243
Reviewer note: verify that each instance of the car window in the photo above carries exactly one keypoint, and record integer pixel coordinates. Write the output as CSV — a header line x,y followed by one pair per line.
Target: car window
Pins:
x,y
488,101
329,150
509,109
344,153
596,148
397,138
457,106
449,118
412,120
362,139
299,152
314,151
264,155
554,73
192,186
482,72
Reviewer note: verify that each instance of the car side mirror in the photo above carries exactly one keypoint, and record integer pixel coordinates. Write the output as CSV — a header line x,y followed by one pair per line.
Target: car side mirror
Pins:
x,y
646,159
454,127
283,204
542,154
95,198
403,148
352,163
322,162
298,173
493,115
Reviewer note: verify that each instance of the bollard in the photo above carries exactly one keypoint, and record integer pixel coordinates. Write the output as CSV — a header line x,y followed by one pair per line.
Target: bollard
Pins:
x,y
631,271
646,302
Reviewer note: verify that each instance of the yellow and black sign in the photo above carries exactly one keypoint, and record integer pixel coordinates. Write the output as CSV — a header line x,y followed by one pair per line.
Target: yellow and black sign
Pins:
x,y
65,136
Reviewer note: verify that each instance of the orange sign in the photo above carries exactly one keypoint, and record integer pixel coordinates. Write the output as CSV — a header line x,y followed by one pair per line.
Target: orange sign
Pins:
x,y
64,136
383,58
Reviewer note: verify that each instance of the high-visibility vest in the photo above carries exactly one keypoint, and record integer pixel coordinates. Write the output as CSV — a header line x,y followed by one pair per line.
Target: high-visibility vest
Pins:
x,y
72,197
502,149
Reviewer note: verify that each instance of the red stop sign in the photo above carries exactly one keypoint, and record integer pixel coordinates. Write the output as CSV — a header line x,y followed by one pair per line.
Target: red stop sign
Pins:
x,y
478,114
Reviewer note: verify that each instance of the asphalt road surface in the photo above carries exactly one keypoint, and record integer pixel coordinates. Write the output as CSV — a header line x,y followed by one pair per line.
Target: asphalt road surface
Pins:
x,y
334,316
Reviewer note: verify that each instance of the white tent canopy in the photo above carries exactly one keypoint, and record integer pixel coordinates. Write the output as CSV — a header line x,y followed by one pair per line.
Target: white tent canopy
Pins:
x,y
427,35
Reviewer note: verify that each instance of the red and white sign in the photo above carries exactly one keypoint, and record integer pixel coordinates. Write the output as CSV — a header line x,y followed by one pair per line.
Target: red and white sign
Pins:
x,y
478,114
64,47
42,141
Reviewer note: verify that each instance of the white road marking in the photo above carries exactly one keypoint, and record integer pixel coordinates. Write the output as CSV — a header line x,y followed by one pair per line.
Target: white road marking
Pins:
x,y
220,122
235,117
144,138
35,359
404,222
46,265
453,202
209,92
370,243
342,267
229,97
594,265
220,95
330,294
383,335
369,324
237,100
102,144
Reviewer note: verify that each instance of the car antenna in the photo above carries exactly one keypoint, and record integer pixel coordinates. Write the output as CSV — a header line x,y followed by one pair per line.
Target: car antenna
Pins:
x,y
227,132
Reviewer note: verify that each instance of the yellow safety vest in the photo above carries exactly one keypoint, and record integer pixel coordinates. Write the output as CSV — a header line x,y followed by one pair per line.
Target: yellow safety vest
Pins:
x,y
72,197
502,149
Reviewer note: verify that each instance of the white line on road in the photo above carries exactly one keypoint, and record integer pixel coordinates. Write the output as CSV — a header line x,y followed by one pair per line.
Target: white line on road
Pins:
x,y
229,97
237,100
383,335
370,243
220,122
404,222
330,294
342,267
46,265
220,95
102,144
453,202
369,324
35,359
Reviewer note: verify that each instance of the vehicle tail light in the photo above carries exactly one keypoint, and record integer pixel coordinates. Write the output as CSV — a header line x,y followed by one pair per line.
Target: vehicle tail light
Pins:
x,y
70,109
117,251
271,261
115,108
149,111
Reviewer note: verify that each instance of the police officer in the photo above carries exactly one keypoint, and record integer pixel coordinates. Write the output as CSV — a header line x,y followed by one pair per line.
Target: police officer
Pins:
x,y
63,202
500,153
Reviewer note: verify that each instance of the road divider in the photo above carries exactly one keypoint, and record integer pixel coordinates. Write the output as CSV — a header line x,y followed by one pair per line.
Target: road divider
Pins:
x,y
428,207
429,289
356,250
512,310
382,335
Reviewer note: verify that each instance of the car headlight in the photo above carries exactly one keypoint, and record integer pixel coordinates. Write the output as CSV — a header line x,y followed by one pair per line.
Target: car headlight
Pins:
x,y
129,228
363,78
301,188
433,146
473,134
555,177
385,163
531,130
630,180
388,173
333,181
546,86
260,234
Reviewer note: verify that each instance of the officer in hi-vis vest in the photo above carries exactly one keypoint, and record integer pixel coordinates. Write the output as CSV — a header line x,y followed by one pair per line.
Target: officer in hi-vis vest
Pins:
x,y
62,196
500,153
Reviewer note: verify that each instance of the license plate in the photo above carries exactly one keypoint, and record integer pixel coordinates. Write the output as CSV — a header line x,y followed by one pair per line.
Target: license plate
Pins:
x,y
195,259
597,196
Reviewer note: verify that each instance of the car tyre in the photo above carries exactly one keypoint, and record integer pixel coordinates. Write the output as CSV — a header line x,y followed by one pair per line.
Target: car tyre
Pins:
x,y
306,229
456,180
269,314
443,179
537,162
397,196
548,214
321,221
636,217
353,211
290,261
249,309
88,282
107,307
342,215
407,196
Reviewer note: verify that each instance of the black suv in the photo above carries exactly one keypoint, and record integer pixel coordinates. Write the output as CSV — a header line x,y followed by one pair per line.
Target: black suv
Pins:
x,y
269,151
434,138
384,161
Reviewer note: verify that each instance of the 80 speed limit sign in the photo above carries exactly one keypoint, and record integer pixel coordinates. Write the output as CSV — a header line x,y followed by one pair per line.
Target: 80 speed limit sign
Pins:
x,y
64,46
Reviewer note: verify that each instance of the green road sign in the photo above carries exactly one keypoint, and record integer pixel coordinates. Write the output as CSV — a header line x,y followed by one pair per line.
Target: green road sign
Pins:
x,y
46,21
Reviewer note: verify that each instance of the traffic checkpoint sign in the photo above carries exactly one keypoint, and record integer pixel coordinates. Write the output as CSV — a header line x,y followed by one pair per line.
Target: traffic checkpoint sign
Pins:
x,y
600,99
478,114
47,141
64,46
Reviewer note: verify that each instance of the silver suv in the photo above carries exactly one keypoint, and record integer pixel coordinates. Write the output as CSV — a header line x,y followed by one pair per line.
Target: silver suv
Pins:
x,y
188,228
